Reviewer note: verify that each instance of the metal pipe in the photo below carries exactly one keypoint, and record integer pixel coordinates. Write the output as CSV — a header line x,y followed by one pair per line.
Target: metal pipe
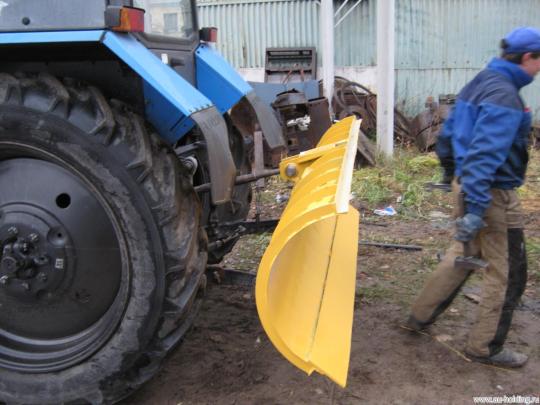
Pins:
x,y
327,46
243,179
385,76
348,12
390,245
340,8
147,15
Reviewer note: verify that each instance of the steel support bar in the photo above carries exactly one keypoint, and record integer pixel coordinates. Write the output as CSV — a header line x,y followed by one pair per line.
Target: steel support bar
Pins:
x,y
327,46
349,11
385,76
340,8
243,179
389,245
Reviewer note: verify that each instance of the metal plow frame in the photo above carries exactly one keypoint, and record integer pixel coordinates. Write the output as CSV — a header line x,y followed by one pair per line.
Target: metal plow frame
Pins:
x,y
306,278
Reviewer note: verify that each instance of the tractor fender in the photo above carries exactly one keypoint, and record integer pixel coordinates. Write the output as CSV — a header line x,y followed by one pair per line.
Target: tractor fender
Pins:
x,y
218,81
172,105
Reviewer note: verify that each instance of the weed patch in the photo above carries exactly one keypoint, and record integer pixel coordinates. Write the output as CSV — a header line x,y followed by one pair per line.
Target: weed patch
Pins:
x,y
401,182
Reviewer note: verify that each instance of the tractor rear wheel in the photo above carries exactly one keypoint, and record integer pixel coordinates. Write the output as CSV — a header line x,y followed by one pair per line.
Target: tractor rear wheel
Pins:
x,y
102,253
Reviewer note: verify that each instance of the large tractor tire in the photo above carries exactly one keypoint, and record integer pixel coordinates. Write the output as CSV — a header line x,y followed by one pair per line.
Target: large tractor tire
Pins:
x,y
102,253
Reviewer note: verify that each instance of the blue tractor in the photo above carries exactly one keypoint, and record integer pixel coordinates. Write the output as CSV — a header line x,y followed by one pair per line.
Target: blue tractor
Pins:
x,y
110,121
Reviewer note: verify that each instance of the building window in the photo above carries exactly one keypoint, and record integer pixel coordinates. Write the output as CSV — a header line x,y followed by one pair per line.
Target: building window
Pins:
x,y
170,22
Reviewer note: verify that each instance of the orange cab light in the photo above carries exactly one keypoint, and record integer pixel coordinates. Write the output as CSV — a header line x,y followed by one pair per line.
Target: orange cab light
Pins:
x,y
208,34
131,20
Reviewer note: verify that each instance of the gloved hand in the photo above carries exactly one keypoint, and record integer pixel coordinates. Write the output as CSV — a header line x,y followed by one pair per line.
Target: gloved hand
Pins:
x,y
468,226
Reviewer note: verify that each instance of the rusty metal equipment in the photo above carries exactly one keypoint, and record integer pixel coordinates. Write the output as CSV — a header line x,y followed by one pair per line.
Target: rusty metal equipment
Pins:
x,y
535,135
353,98
303,122
427,125
438,186
285,64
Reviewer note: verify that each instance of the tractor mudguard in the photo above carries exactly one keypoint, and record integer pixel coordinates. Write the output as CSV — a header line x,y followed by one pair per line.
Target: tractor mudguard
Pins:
x,y
173,105
218,81
307,276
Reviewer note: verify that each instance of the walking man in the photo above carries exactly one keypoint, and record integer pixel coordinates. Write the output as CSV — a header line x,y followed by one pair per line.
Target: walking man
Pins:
x,y
483,152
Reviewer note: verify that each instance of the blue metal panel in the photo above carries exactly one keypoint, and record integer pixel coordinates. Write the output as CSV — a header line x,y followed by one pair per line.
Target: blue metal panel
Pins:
x,y
50,37
267,92
165,116
52,15
217,80
169,98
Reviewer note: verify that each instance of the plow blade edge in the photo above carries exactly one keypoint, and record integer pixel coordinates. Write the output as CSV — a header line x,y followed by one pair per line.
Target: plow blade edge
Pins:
x,y
306,278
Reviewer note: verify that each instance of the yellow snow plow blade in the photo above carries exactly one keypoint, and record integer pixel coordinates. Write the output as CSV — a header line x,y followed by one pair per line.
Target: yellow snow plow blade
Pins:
x,y
307,276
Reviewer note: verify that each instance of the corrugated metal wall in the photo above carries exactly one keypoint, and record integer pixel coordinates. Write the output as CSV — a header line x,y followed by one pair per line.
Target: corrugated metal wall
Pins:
x,y
248,27
440,44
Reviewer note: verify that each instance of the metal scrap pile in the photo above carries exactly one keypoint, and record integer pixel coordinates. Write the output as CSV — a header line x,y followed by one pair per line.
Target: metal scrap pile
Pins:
x,y
353,98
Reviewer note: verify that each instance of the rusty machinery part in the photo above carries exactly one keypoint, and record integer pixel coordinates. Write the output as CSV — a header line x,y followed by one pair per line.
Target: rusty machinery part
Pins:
x,y
535,135
303,121
353,98
427,125
226,276
245,121
243,179
287,63
102,253
221,240
367,152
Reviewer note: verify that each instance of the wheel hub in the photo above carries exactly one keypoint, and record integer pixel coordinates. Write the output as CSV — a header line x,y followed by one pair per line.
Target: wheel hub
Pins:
x,y
32,254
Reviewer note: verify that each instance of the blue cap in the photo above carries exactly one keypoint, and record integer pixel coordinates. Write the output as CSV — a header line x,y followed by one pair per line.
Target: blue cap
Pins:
x,y
522,40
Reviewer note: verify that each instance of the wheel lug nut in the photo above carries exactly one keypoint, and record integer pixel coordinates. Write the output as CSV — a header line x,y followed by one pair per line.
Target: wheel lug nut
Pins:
x,y
33,238
13,231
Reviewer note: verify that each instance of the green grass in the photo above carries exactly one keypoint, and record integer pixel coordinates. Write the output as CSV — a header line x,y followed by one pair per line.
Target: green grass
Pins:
x,y
402,178
373,293
274,185
250,251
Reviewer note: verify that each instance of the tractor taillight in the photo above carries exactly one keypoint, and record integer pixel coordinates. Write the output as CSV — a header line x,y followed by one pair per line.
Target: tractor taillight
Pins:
x,y
208,34
131,20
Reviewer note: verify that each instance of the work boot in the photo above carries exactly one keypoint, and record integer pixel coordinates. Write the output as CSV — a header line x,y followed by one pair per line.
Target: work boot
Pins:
x,y
505,358
415,325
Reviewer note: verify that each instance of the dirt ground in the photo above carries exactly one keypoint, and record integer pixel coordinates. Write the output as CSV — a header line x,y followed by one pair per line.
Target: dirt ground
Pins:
x,y
227,359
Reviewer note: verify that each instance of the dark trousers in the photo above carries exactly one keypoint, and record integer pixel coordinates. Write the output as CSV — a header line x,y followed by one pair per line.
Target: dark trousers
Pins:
x,y
501,243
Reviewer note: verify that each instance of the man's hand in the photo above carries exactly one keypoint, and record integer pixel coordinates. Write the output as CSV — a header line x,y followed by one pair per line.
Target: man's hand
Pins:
x,y
468,226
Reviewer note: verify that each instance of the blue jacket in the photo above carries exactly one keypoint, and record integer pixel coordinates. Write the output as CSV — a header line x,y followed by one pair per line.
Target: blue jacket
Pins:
x,y
484,140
